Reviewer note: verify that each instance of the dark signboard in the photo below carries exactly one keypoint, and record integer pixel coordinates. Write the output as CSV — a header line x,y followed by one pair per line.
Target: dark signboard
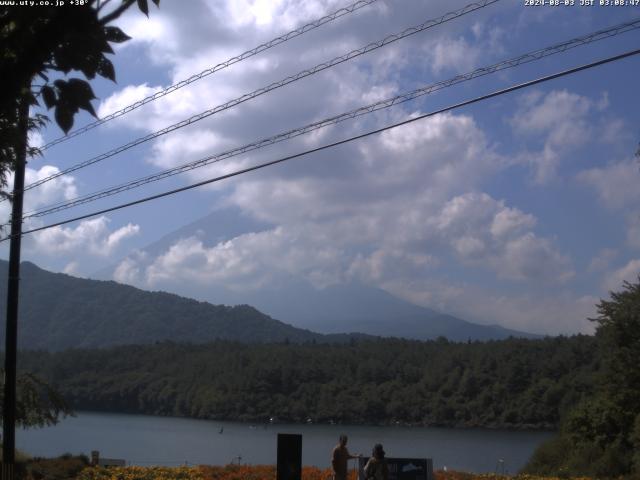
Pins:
x,y
289,457
404,468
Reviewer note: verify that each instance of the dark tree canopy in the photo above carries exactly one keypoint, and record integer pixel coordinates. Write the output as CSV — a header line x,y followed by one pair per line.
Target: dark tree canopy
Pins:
x,y
601,436
38,404
38,41
512,383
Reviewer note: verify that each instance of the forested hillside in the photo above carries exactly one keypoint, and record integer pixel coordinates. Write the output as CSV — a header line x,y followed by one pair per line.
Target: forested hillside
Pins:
x,y
58,311
512,383
600,436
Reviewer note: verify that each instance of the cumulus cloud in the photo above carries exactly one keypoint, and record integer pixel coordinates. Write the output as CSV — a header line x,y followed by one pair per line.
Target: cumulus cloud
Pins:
x,y
454,55
89,236
616,184
139,118
485,232
327,249
246,262
563,119
602,260
396,209
628,273
57,190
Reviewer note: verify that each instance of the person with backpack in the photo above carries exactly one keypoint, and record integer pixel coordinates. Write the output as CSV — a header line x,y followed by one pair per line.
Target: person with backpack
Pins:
x,y
376,468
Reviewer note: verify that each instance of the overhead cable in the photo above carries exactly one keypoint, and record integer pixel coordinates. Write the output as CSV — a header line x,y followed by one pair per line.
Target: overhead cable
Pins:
x,y
386,103
261,91
334,144
205,73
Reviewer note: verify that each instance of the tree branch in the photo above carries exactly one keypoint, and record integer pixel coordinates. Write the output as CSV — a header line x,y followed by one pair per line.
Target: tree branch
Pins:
x,y
117,12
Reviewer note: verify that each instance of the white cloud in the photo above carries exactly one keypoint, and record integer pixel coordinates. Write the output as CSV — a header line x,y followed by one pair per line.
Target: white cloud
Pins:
x,y
125,97
246,262
385,264
484,232
602,260
54,191
547,313
90,237
616,184
72,268
454,55
563,118
617,188
633,230
509,220
629,273
129,270
530,257
326,247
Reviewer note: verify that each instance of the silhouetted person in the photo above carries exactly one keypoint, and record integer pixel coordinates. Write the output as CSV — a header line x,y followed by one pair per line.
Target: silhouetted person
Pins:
x,y
376,468
339,459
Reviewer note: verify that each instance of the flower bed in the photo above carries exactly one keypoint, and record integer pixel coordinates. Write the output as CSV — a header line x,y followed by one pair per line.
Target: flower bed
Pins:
x,y
260,472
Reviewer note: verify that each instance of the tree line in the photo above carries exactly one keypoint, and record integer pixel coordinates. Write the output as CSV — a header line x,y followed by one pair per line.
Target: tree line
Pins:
x,y
600,436
512,383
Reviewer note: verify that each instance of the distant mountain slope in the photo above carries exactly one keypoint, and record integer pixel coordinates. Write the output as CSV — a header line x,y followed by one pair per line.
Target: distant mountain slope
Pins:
x,y
58,311
350,307
355,307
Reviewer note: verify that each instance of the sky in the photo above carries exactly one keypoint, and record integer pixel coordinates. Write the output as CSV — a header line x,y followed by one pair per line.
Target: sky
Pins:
x,y
522,210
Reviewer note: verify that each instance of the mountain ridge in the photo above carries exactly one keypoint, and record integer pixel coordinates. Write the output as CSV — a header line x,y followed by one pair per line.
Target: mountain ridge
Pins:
x,y
59,311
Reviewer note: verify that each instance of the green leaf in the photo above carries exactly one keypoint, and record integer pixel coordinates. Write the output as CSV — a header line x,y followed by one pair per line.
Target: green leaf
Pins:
x,y
89,65
115,35
144,7
106,70
79,94
106,48
63,57
49,96
31,99
64,117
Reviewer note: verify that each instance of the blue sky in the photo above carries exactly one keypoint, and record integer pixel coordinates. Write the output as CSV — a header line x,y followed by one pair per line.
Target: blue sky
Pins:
x,y
522,210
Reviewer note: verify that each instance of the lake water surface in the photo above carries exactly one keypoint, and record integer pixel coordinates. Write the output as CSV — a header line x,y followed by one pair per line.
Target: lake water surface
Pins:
x,y
149,440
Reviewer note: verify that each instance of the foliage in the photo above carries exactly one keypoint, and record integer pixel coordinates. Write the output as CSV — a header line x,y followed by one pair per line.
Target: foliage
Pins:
x,y
511,383
601,435
37,404
63,467
39,42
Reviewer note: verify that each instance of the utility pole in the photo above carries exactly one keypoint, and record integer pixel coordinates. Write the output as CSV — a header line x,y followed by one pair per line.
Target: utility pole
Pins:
x,y
11,336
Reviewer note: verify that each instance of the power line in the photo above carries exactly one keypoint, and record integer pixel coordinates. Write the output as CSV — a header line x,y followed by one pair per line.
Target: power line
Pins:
x,y
205,73
341,142
386,103
273,86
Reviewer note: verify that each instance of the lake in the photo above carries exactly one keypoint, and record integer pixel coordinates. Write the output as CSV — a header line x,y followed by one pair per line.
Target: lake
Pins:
x,y
150,440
